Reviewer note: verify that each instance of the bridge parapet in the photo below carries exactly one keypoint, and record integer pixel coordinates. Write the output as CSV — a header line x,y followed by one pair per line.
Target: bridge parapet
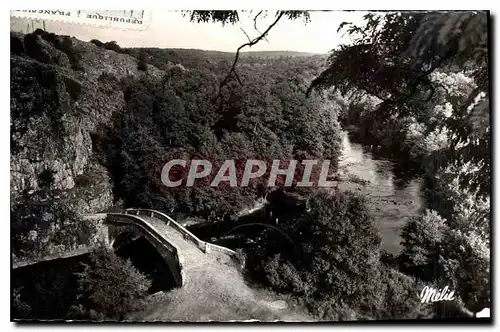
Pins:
x,y
170,222
204,246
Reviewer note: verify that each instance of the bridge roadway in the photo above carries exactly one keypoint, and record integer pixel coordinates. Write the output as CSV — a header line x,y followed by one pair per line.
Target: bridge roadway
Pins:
x,y
193,256
213,287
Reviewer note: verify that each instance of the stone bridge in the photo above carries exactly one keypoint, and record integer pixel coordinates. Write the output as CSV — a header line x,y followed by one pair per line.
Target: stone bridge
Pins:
x,y
182,250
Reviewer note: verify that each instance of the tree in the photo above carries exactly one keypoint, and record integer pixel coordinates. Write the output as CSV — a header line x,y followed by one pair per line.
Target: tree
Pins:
x,y
342,247
422,240
393,56
142,63
110,287
339,248
232,16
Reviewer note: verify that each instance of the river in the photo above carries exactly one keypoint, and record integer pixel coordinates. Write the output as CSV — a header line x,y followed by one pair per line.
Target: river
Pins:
x,y
391,188
393,192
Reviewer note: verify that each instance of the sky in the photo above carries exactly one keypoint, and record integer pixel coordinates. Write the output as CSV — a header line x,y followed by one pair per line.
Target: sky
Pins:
x,y
169,29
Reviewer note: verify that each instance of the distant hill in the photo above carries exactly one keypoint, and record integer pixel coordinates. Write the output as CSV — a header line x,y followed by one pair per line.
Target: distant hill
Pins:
x,y
277,53
222,53
191,58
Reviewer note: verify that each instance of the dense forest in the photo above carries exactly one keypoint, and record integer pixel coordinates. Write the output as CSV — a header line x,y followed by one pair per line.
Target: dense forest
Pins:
x,y
407,83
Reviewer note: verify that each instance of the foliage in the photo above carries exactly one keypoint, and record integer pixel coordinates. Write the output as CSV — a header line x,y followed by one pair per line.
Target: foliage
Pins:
x,y
393,57
109,287
399,297
38,100
97,42
232,16
466,262
339,247
35,49
39,228
342,247
142,63
419,84
450,245
45,291
112,45
422,238
74,57
181,119
20,309
222,16
416,82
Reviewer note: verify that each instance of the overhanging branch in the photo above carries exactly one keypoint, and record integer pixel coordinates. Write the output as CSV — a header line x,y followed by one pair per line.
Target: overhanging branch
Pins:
x,y
249,44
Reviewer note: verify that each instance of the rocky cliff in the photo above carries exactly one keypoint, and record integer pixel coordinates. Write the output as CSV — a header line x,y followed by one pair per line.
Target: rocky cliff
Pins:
x,y
62,91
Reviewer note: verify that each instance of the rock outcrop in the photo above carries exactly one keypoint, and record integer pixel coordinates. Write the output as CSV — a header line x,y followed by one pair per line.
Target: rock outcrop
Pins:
x,y
62,90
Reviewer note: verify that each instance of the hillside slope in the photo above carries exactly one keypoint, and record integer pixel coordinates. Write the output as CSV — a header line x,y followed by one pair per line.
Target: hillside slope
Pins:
x,y
63,92
56,105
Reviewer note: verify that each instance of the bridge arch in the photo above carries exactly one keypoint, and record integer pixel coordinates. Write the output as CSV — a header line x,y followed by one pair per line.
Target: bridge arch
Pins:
x,y
146,258
123,229
123,238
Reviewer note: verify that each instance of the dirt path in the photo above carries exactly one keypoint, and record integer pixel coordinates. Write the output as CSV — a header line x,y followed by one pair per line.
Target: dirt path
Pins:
x,y
218,292
214,290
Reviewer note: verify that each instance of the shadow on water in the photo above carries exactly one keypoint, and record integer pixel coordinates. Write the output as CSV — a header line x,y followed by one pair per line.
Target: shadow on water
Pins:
x,y
264,227
393,185
386,162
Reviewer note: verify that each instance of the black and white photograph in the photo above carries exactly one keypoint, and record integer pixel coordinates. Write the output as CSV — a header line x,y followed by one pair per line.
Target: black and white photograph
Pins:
x,y
199,166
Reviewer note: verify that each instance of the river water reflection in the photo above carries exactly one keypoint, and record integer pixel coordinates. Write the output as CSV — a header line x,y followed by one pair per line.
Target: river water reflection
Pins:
x,y
392,190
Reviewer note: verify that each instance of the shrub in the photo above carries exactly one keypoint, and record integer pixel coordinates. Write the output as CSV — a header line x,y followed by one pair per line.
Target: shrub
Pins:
x,y
84,180
339,248
399,298
20,309
48,36
35,50
109,287
96,42
39,227
63,44
112,45
466,263
16,44
342,245
142,64
422,237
